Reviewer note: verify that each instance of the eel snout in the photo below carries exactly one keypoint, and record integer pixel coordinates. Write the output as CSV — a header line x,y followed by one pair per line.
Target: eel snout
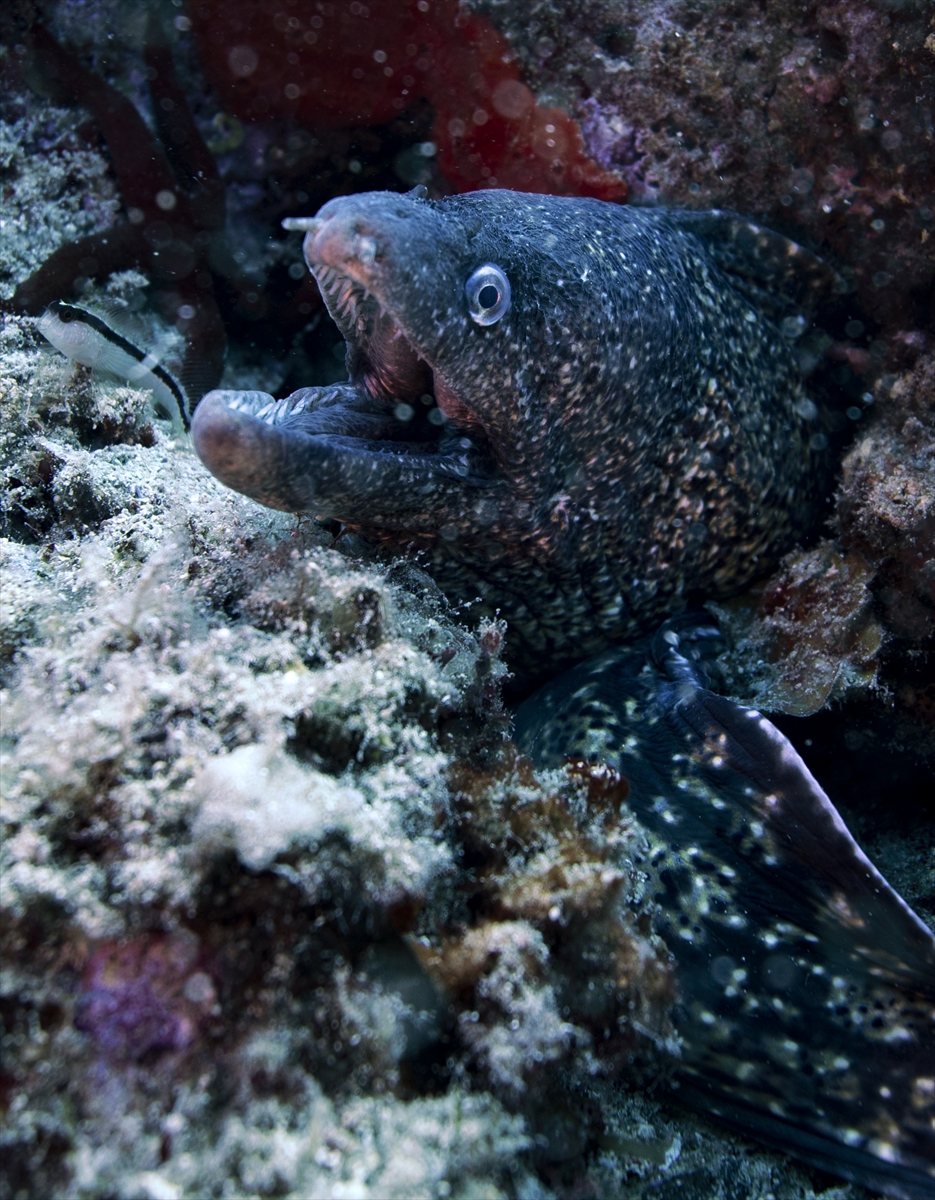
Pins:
x,y
348,252
247,454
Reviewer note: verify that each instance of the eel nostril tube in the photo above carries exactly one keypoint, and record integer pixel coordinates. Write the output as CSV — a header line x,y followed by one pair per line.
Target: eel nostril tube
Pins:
x,y
303,224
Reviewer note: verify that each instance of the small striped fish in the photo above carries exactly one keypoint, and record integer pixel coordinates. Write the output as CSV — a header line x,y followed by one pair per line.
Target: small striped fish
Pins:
x,y
105,340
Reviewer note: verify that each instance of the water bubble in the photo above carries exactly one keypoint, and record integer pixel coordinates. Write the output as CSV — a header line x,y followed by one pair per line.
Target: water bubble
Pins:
x,y
854,329
807,409
512,99
792,327
879,224
243,61
882,278
779,971
818,441
854,413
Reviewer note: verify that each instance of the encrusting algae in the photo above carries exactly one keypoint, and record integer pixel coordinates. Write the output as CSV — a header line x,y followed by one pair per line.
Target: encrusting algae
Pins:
x,y
283,912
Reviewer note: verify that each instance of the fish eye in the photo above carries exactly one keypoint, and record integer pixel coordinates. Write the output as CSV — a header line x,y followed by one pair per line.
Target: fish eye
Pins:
x,y
488,294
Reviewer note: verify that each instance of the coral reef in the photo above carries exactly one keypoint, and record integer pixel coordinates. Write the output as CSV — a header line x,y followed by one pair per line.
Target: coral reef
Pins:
x,y
208,820
56,188
808,636
816,118
856,612
886,503
282,913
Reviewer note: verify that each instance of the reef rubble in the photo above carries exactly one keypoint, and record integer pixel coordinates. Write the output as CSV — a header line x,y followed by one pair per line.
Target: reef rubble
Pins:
x,y
282,913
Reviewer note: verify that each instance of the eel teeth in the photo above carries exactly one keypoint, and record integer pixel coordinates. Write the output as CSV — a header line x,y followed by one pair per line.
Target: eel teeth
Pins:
x,y
342,294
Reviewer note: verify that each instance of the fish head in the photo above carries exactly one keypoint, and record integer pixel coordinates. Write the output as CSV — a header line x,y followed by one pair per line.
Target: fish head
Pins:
x,y
463,300
464,315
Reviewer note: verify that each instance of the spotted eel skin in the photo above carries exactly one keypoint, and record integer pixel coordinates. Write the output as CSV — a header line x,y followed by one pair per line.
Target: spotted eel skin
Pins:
x,y
584,414
629,428
806,1013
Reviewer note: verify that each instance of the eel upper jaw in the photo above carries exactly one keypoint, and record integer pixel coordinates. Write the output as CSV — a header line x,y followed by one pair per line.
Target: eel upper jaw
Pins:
x,y
305,458
346,261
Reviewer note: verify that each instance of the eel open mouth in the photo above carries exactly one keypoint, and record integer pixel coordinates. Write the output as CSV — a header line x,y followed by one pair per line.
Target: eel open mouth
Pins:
x,y
392,440
380,358
346,256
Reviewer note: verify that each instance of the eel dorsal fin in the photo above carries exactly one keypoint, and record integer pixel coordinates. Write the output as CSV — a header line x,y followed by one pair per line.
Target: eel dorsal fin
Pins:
x,y
810,838
777,274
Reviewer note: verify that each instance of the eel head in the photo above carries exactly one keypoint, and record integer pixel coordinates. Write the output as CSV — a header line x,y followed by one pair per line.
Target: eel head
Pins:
x,y
435,428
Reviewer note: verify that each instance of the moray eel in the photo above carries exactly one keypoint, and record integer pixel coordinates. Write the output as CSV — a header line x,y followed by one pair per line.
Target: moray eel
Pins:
x,y
807,985
580,412
585,413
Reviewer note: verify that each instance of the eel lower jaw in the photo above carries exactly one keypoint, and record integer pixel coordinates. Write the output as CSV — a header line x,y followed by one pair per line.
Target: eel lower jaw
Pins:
x,y
373,449
241,450
336,452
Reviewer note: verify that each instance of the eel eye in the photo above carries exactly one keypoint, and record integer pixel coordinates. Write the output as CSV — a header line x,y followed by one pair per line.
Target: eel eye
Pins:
x,y
488,294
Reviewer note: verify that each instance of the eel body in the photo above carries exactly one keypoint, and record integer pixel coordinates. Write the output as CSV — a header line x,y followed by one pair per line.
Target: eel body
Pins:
x,y
582,413
806,1007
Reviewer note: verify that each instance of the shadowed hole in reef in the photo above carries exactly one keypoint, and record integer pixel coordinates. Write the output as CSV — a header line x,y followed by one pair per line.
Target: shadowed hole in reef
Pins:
x,y
326,742
616,40
875,775
331,738
321,965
